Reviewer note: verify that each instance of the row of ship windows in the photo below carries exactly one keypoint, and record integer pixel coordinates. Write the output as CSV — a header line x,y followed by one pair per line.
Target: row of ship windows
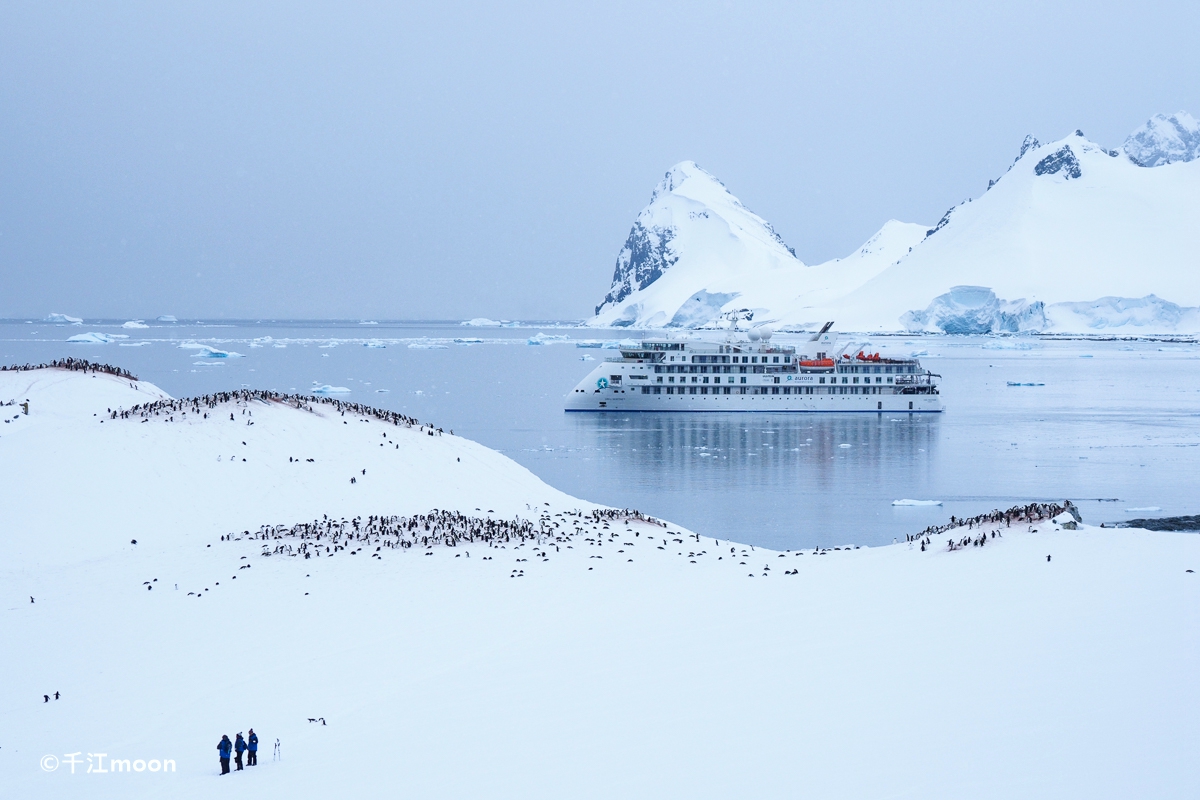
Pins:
x,y
745,359
672,369
764,390
696,379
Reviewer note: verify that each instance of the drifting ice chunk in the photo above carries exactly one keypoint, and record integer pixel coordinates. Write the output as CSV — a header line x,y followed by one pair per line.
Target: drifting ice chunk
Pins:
x,y
167,318
482,322
426,345
208,352
374,345
916,502
63,319
91,338
327,389
541,338
1145,508
135,323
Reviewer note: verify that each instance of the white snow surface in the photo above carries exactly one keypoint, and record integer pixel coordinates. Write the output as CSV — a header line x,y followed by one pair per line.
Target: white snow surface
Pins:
x,y
1070,221
987,672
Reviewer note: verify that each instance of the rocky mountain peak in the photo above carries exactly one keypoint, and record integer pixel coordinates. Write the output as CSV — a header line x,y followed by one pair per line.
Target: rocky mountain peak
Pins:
x,y
1163,140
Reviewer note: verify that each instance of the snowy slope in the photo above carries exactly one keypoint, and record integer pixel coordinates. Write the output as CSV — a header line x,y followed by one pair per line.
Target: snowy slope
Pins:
x,y
633,662
1069,222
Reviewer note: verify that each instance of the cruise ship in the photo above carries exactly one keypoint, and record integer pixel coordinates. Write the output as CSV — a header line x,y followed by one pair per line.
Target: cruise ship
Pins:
x,y
753,374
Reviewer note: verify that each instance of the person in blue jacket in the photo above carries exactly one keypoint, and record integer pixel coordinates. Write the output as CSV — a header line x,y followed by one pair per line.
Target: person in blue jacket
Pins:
x,y
223,748
252,755
239,747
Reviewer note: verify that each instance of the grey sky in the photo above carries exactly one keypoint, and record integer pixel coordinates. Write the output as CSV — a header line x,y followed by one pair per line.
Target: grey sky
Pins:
x,y
453,160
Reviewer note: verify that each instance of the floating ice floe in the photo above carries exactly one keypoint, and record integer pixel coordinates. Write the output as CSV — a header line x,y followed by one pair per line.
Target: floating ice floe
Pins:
x,y
205,351
541,338
1017,383
368,322
1007,344
588,344
1144,508
374,345
468,341
482,322
63,319
586,358
135,323
94,338
166,318
382,391
426,345
907,502
327,389
845,445
134,344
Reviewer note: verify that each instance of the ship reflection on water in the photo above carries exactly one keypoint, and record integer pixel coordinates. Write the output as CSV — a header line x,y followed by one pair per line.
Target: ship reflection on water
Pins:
x,y
773,474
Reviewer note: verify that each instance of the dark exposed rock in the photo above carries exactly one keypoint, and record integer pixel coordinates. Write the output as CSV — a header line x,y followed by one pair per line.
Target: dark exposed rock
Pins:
x,y
1061,160
647,254
1164,524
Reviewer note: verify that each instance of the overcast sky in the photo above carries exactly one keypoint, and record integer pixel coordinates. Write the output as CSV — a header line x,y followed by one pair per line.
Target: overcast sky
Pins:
x,y
442,160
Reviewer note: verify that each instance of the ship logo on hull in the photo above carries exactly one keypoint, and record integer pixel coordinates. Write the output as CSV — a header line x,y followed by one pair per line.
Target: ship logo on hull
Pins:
x,y
602,383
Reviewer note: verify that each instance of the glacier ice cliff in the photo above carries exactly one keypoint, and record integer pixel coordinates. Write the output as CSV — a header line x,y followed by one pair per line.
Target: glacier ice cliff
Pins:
x,y
976,309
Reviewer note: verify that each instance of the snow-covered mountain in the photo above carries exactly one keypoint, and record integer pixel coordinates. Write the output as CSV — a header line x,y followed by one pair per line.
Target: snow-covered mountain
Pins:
x,y
692,252
1073,237
1163,140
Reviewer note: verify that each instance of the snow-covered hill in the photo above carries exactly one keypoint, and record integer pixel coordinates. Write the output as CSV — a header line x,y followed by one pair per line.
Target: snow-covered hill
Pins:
x,y
607,657
1072,237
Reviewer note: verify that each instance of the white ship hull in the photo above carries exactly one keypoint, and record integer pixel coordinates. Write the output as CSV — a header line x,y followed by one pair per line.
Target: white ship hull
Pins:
x,y
631,401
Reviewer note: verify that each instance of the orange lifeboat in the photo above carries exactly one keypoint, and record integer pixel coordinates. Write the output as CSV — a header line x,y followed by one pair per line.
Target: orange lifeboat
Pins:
x,y
820,362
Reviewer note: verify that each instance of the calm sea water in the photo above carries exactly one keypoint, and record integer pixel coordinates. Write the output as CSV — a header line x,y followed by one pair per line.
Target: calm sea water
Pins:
x,y
1113,425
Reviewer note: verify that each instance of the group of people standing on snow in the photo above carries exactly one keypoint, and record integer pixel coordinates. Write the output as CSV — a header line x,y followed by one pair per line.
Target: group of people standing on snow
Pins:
x,y
247,746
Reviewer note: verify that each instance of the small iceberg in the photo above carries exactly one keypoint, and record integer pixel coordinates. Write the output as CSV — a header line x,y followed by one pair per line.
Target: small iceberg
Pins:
x,y
135,323
1007,344
427,346
167,318
907,502
134,344
208,352
327,389
1145,508
63,319
588,344
586,358
368,322
91,338
845,446
541,338
482,322
374,345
